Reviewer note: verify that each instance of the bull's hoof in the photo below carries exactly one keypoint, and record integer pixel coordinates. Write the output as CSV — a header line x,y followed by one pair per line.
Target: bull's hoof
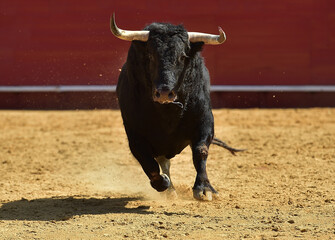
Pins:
x,y
204,193
161,183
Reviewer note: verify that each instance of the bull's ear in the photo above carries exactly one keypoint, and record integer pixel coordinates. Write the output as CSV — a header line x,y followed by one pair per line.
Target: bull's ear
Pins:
x,y
138,47
195,47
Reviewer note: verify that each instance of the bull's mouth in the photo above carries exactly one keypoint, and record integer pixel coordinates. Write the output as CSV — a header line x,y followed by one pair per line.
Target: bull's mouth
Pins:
x,y
165,101
175,102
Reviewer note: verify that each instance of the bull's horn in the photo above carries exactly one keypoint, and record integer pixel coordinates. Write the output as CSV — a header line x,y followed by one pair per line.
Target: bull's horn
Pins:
x,y
128,35
207,38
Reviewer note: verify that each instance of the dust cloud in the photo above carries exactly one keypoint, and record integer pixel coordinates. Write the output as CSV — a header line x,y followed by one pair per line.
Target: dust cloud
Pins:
x,y
118,178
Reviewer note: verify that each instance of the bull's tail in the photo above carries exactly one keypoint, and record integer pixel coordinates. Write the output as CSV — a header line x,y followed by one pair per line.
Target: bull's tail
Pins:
x,y
218,142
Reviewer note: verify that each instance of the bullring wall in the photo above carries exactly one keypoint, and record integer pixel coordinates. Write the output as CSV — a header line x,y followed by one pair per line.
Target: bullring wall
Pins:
x,y
278,44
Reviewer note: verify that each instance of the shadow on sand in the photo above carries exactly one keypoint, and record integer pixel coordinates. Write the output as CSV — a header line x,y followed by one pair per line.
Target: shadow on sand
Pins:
x,y
61,209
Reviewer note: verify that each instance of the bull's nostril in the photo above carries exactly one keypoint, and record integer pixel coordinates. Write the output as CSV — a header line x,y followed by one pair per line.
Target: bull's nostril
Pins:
x,y
171,95
157,94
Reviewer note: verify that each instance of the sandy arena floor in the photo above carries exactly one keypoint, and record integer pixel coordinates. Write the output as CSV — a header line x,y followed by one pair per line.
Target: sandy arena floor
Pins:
x,y
70,175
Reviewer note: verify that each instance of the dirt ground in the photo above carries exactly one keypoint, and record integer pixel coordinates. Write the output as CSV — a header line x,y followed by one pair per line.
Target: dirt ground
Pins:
x,y
70,175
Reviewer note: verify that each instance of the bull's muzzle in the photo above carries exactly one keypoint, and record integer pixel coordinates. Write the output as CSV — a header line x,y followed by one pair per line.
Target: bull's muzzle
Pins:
x,y
164,96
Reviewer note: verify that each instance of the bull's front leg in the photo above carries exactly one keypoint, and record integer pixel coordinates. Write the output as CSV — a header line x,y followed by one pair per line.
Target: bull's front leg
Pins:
x,y
202,189
141,151
165,166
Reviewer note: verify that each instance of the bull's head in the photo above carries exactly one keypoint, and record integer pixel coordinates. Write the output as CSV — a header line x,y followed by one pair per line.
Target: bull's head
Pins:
x,y
167,54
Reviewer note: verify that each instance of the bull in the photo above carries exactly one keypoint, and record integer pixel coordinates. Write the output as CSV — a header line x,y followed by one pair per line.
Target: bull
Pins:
x,y
164,97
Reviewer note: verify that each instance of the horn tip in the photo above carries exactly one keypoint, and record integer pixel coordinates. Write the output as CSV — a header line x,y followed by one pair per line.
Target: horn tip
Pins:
x,y
112,18
114,29
222,37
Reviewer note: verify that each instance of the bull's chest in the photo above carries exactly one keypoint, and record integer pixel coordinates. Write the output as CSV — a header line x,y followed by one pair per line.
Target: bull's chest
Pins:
x,y
167,136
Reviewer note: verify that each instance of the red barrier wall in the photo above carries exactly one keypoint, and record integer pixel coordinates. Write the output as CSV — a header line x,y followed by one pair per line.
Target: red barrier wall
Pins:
x,y
285,42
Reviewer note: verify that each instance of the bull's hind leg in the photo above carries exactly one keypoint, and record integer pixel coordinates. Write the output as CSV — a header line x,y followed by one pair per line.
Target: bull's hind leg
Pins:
x,y
202,189
165,164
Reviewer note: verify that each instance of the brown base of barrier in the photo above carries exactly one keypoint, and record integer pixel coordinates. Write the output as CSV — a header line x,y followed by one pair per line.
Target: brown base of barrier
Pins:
x,y
108,100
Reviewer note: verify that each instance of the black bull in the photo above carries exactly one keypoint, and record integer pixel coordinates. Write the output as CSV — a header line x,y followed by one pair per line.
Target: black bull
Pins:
x,y
164,97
